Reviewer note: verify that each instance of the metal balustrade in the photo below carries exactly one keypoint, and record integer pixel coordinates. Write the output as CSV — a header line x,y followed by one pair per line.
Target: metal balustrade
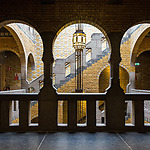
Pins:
x,y
71,98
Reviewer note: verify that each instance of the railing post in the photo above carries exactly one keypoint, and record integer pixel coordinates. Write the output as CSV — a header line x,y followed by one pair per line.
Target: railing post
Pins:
x,y
91,113
72,114
24,108
5,116
47,97
115,97
138,107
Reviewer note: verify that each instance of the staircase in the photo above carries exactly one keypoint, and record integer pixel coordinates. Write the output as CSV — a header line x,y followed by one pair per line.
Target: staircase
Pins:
x,y
90,83
89,77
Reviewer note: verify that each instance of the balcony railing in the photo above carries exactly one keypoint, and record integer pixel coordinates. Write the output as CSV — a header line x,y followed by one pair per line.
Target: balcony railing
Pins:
x,y
71,98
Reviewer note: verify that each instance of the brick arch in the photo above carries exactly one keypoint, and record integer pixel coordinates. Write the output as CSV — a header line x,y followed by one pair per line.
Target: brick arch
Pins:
x,y
19,43
146,49
143,19
31,55
142,78
79,19
19,19
136,41
104,78
8,23
11,50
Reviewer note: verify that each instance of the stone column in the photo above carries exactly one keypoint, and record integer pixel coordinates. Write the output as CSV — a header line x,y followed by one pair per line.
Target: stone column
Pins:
x,y
115,97
24,84
47,97
131,84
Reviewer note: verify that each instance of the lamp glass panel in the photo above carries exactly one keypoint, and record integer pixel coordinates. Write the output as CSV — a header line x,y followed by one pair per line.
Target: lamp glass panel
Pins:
x,y
74,39
79,38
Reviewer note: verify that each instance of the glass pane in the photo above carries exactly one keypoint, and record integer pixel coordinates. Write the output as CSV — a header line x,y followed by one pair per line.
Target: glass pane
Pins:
x,y
79,38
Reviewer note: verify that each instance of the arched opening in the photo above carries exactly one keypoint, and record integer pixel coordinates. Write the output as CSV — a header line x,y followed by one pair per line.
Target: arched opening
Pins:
x,y
22,46
134,42
96,49
10,71
105,77
142,71
31,62
30,67
134,50
27,43
95,56
104,80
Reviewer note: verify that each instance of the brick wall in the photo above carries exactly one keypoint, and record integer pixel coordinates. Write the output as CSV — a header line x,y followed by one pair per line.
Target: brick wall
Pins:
x,y
112,18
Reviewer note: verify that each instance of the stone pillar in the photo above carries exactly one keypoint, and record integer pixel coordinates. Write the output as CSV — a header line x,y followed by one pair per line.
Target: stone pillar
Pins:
x,y
131,84
115,97
47,97
24,84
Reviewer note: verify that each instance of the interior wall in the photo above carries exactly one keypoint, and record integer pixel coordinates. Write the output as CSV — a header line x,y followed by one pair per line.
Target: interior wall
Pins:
x,y
11,71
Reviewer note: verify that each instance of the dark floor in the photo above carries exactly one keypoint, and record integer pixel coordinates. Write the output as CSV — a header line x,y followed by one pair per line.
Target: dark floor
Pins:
x,y
75,141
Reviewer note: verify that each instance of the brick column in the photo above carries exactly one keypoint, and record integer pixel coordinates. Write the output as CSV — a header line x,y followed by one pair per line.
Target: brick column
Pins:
x,y
47,96
115,98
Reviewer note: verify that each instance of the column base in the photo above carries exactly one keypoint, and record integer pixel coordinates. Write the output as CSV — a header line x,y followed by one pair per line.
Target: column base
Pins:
x,y
115,109
47,100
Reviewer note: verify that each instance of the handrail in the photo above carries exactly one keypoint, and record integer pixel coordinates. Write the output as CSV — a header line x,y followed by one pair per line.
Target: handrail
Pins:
x,y
19,96
71,99
81,96
137,96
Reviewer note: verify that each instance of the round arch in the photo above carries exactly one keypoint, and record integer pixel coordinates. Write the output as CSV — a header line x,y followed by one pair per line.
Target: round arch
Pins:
x,y
10,70
138,40
12,50
30,59
19,19
142,78
19,42
104,78
67,23
7,22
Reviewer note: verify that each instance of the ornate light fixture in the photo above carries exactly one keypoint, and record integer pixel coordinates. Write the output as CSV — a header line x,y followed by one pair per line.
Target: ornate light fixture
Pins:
x,y
79,41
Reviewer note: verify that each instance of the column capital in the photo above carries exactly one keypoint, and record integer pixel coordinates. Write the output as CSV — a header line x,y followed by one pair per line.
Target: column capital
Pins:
x,y
115,57
115,97
114,44
48,40
47,97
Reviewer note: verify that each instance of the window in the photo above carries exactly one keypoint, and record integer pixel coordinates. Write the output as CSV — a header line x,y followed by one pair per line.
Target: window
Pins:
x,y
67,69
88,55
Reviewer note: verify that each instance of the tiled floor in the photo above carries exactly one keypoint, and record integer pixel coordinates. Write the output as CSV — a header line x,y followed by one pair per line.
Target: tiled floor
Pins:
x,y
75,141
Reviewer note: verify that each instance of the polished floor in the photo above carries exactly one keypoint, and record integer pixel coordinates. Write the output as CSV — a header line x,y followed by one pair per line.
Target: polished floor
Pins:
x,y
75,141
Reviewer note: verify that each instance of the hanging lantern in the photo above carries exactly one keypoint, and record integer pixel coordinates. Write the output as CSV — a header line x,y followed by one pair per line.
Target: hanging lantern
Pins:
x,y
79,42
79,37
